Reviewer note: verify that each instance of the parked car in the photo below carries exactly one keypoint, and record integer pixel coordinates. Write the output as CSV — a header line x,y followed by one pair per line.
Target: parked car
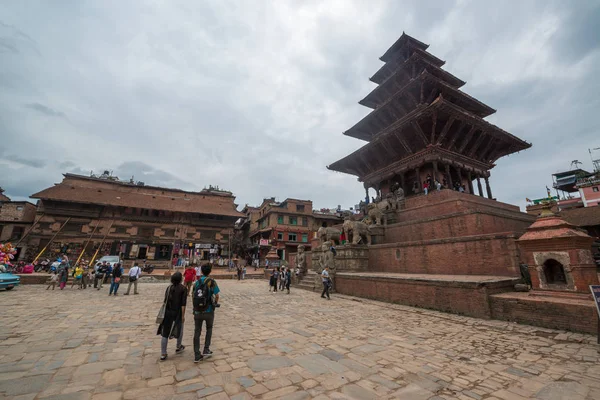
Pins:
x,y
112,260
8,280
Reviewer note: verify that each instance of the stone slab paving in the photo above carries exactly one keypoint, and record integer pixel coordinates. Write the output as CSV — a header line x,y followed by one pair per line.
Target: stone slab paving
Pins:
x,y
85,345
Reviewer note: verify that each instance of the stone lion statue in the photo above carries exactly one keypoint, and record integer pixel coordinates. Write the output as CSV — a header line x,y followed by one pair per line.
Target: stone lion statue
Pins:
x,y
356,232
329,234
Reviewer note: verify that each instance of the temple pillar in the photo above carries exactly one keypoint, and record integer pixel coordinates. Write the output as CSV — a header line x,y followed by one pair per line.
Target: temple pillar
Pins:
x,y
435,172
402,182
460,178
419,183
488,187
450,185
479,185
470,184
367,194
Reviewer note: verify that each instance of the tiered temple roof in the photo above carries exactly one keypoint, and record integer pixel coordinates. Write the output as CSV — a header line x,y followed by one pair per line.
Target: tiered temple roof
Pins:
x,y
421,116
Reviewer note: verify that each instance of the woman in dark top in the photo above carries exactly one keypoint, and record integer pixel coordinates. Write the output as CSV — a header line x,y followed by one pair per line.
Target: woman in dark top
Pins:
x,y
115,279
172,325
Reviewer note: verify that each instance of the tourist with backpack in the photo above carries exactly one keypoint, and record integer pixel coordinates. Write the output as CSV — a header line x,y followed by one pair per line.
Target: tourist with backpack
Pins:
x,y
205,299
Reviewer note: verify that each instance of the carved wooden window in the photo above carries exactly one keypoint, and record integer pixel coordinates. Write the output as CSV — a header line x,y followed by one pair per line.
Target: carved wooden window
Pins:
x,y
279,235
292,237
304,221
121,229
300,207
304,237
145,231
280,219
293,220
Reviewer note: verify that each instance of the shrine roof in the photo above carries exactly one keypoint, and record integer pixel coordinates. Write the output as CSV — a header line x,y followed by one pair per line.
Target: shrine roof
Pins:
x,y
115,194
390,68
363,129
406,133
401,42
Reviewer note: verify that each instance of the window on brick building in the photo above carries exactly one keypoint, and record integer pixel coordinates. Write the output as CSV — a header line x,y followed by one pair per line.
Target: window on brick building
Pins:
x,y
279,235
554,272
304,237
300,207
292,237
293,220
169,233
73,227
280,219
145,231
304,221
17,232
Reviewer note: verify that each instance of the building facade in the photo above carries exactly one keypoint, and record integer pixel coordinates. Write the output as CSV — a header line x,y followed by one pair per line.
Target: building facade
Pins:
x,y
16,219
138,222
284,225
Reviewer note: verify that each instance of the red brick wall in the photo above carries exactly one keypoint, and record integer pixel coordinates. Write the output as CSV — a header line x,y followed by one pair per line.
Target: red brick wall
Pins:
x,y
483,255
437,197
454,225
565,314
466,298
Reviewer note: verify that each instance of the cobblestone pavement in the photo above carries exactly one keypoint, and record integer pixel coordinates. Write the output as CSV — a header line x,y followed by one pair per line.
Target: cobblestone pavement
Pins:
x,y
85,345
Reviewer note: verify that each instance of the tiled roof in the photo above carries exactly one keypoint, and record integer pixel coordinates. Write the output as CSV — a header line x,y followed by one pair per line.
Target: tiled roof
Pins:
x,y
584,216
121,196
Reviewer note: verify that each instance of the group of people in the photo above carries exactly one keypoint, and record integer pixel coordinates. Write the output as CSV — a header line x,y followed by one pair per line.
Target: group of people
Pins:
x,y
429,184
171,318
282,277
102,273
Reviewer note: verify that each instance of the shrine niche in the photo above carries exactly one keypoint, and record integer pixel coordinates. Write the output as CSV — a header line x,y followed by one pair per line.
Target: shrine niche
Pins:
x,y
558,255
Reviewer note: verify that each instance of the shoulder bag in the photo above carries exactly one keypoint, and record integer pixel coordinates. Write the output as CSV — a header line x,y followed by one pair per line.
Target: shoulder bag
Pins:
x,y
161,313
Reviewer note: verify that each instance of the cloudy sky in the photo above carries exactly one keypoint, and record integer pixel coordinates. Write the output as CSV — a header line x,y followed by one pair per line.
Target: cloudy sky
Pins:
x,y
253,96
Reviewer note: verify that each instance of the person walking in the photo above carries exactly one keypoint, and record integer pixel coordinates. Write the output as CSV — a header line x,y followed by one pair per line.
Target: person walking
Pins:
x,y
188,277
52,281
115,280
108,274
100,275
272,281
206,299
198,272
172,325
326,283
239,272
288,279
244,272
282,279
134,275
276,273
63,273
77,277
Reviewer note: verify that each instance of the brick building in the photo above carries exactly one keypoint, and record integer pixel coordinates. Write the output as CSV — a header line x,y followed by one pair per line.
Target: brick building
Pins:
x,y
134,220
284,225
16,218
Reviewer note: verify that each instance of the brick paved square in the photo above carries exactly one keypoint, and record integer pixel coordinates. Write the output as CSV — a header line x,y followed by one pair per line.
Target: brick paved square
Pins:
x,y
85,345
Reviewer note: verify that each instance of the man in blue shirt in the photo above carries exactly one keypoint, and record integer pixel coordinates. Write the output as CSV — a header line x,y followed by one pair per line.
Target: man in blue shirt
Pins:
x,y
207,315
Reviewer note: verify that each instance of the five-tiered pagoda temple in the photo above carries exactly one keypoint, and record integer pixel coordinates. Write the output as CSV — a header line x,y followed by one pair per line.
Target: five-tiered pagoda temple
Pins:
x,y
423,125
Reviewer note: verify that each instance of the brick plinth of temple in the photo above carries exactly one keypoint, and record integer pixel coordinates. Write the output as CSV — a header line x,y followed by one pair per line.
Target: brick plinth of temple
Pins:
x,y
460,294
453,233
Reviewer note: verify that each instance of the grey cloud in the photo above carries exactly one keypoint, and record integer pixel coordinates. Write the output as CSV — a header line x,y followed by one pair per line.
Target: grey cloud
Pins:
x,y
254,96
29,162
45,110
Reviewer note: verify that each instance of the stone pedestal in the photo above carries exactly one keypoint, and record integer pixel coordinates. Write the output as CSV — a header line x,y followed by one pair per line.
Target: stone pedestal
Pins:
x,y
352,258
377,233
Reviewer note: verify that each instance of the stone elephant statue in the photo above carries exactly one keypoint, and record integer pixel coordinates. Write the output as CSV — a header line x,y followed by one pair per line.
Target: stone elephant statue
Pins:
x,y
356,232
375,213
329,234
